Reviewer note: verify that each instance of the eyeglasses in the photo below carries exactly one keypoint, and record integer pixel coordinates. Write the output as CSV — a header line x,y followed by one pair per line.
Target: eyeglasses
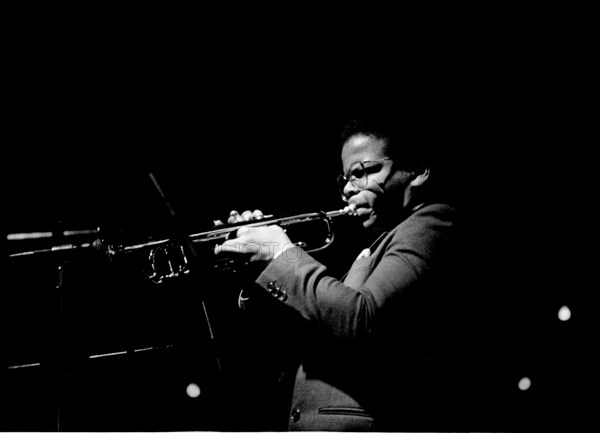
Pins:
x,y
358,176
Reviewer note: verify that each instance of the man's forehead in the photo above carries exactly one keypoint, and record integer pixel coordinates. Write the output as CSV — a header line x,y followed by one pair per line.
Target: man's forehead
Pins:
x,y
362,143
360,140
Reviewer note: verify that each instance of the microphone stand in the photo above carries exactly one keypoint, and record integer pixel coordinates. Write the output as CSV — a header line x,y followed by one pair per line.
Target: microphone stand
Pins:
x,y
194,256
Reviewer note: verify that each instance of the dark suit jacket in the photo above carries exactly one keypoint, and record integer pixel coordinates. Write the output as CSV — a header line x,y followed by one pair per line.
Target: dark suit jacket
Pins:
x,y
376,345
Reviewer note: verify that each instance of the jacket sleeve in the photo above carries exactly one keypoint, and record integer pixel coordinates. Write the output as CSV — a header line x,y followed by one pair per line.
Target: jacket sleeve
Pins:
x,y
301,282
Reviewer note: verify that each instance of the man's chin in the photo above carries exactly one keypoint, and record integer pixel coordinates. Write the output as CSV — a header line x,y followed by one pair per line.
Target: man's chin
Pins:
x,y
369,222
374,225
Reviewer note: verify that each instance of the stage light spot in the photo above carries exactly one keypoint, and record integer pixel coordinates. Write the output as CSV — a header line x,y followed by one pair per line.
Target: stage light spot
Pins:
x,y
193,390
524,383
564,313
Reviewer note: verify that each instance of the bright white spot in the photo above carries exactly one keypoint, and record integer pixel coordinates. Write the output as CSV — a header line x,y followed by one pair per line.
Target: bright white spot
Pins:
x,y
524,383
193,390
564,313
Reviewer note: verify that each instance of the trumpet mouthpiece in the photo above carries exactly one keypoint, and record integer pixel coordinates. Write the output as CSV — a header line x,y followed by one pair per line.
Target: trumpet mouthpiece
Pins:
x,y
350,209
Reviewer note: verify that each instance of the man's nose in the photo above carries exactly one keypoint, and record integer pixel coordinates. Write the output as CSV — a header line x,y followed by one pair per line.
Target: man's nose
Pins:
x,y
348,191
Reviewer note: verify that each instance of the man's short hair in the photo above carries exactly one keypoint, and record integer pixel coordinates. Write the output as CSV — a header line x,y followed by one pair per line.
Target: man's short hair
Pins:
x,y
407,141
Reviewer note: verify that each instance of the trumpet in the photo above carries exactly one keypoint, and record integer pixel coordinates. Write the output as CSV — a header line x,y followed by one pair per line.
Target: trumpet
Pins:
x,y
169,258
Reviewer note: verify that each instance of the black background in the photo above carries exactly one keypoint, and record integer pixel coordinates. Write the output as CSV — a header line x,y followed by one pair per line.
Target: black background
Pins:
x,y
235,114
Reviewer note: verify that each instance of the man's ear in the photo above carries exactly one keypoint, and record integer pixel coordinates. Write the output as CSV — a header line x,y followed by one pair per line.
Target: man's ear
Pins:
x,y
419,178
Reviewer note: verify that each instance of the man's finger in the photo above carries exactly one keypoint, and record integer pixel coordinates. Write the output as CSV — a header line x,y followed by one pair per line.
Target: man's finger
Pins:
x,y
247,215
230,246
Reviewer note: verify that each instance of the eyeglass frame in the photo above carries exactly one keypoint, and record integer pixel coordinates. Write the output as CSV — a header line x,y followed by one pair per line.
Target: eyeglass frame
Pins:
x,y
350,179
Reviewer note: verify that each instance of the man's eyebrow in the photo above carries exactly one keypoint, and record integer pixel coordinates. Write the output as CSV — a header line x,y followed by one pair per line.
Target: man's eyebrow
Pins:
x,y
352,165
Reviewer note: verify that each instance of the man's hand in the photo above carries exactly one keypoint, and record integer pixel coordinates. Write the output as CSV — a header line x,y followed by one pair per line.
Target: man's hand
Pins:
x,y
259,244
